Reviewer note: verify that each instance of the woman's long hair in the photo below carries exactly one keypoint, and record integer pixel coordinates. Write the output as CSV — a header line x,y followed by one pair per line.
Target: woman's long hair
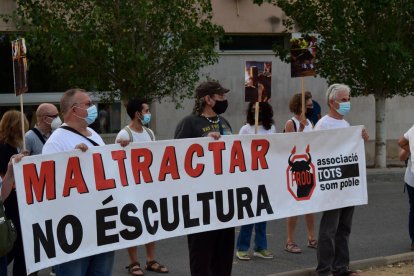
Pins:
x,y
265,114
11,128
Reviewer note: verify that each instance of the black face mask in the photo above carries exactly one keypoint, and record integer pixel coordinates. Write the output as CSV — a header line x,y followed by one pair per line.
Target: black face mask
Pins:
x,y
309,112
220,106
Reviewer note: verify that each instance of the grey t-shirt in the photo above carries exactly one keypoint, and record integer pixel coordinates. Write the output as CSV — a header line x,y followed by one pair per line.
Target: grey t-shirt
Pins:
x,y
194,126
33,143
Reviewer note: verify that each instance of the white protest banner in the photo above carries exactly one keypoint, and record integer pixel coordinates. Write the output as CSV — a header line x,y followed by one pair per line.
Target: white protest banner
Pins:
x,y
76,204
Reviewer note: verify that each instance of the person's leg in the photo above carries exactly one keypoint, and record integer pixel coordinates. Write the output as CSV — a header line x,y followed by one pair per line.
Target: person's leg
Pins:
x,y
77,267
150,250
152,264
341,261
260,239
260,249
134,266
223,252
245,235
326,247
3,266
291,226
201,250
410,191
291,246
16,254
133,254
101,264
310,225
19,265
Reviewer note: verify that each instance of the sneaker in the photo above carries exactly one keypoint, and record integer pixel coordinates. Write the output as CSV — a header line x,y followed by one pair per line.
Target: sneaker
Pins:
x,y
265,254
412,246
243,255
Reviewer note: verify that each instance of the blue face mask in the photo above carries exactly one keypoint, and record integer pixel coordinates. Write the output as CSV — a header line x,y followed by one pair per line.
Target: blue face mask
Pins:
x,y
344,108
146,119
92,114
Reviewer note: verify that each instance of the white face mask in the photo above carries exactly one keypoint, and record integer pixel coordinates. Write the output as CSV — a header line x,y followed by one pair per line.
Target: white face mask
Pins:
x,y
56,123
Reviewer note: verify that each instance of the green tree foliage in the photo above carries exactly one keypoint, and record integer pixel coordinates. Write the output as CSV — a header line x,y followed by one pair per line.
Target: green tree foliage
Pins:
x,y
366,44
133,48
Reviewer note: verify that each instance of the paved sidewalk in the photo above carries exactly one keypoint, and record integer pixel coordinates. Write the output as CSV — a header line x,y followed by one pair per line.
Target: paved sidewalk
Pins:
x,y
356,265
370,262
379,237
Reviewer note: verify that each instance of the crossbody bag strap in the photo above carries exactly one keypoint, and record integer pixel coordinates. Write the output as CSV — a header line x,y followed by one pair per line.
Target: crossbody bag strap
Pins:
x,y
39,135
128,130
149,133
80,134
294,125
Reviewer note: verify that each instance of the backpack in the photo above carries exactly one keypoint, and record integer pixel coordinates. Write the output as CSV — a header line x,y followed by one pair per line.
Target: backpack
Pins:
x,y
131,138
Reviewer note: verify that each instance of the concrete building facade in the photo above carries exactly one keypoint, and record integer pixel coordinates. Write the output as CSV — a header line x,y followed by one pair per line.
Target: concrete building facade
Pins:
x,y
242,17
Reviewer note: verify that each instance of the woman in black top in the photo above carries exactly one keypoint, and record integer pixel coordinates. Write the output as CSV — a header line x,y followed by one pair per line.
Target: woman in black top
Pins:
x,y
11,142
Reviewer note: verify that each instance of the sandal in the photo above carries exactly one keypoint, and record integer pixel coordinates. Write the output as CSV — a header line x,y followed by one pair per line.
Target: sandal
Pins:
x,y
313,244
293,248
135,269
156,267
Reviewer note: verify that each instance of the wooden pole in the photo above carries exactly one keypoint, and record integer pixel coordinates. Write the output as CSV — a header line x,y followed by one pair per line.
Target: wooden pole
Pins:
x,y
256,108
22,119
256,117
303,96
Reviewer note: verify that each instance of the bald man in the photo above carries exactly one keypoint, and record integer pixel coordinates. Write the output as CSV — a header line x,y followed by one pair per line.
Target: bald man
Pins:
x,y
47,120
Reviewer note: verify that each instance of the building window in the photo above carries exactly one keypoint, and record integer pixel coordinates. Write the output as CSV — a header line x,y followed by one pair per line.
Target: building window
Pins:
x,y
251,42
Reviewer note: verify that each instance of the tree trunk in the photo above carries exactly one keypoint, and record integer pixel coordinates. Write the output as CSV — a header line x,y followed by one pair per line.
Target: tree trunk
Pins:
x,y
380,133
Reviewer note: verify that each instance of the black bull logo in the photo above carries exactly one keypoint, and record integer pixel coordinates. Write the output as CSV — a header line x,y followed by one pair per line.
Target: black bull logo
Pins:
x,y
302,173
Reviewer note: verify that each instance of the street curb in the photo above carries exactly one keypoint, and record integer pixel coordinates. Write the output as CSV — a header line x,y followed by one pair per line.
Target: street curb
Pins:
x,y
360,264
374,171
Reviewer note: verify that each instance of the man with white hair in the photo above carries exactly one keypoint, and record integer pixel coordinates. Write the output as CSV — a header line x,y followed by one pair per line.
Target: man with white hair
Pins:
x,y
335,226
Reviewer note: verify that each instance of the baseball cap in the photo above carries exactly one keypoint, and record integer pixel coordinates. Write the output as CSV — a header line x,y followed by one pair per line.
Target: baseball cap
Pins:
x,y
210,88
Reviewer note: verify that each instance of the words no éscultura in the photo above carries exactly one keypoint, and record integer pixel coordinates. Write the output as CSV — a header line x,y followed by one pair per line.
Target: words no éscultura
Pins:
x,y
140,161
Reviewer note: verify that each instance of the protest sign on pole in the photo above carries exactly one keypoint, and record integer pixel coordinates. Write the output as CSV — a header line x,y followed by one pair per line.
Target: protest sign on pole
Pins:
x,y
302,55
257,72
257,85
76,204
19,66
302,59
20,75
